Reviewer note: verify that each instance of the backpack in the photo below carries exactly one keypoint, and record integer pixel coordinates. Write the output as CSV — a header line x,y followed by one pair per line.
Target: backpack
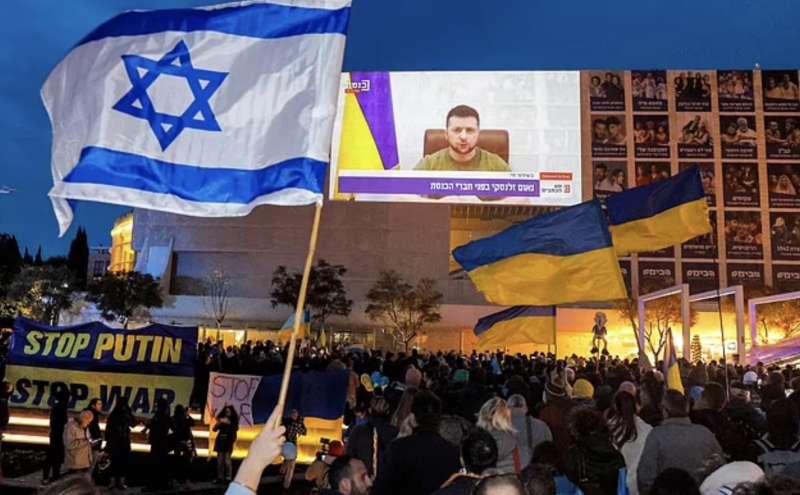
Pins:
x,y
773,459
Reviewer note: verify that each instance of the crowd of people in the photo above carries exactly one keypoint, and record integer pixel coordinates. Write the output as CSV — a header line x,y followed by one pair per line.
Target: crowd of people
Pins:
x,y
735,85
648,86
484,423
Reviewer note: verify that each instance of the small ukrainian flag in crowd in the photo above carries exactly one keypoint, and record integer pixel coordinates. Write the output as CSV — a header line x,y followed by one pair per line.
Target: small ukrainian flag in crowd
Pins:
x,y
561,257
659,215
672,370
205,112
517,325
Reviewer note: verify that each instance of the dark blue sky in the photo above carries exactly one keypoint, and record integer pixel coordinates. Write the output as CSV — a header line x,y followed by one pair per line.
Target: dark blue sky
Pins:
x,y
387,35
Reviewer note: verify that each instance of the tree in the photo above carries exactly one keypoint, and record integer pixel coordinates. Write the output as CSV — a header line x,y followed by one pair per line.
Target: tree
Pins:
x,y
217,296
122,296
27,259
78,257
697,349
660,315
402,307
42,292
10,261
37,261
326,295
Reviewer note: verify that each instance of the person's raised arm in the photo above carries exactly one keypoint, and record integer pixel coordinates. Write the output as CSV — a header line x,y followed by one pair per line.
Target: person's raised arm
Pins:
x,y
263,451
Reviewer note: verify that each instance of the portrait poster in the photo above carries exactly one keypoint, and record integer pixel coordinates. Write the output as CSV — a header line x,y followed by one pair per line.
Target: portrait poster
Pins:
x,y
735,91
649,90
743,235
692,91
694,136
651,136
740,184
784,185
785,235
738,137
780,91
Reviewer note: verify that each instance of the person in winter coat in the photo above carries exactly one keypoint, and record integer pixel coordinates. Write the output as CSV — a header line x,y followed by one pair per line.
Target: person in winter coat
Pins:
x,y
555,413
529,432
478,456
676,443
628,434
421,462
592,463
118,442
227,427
78,456
495,417
55,449
183,442
159,429
376,432
95,436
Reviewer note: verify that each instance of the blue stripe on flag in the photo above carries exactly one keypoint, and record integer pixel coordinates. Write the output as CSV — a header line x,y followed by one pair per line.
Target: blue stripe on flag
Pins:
x,y
487,322
262,20
648,201
574,230
103,166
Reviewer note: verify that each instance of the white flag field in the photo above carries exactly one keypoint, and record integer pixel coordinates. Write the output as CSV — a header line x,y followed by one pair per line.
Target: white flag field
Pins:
x,y
204,112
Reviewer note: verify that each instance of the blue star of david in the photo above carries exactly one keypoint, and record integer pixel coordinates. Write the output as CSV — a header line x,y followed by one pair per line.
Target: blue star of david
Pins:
x,y
143,72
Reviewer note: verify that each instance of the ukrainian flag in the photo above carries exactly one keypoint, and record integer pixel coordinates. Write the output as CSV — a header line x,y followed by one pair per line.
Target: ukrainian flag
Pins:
x,y
288,326
659,215
672,370
560,257
517,325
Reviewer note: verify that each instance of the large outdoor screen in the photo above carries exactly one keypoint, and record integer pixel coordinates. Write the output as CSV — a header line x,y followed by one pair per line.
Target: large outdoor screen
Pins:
x,y
458,137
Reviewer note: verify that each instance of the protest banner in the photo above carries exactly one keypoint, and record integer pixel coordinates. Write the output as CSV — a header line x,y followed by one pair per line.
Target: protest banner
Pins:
x,y
93,360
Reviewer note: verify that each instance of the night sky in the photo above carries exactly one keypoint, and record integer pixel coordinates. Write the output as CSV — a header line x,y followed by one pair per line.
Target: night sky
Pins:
x,y
386,35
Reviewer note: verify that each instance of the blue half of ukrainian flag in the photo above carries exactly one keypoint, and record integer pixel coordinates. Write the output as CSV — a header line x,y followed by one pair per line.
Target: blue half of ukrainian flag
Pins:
x,y
517,325
562,257
659,215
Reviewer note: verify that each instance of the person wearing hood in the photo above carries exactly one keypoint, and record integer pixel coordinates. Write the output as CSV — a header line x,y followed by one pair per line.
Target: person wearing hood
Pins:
x,y
529,432
592,463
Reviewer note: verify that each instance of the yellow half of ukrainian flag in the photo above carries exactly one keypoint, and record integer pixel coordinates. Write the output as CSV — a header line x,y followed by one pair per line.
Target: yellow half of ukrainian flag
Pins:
x,y
562,257
672,370
517,325
659,215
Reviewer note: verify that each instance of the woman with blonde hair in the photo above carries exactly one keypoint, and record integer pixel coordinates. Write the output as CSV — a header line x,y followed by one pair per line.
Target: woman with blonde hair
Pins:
x,y
495,417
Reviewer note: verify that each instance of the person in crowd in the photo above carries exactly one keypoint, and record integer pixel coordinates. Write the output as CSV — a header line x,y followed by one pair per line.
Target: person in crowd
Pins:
x,y
78,455
629,433
183,442
495,417
118,442
369,441
55,448
780,446
774,389
227,428
295,428
348,476
478,456
263,451
676,443
95,436
726,478
556,411
507,484
674,481
158,430
651,392
592,463
317,471
538,480
421,462
583,392
529,432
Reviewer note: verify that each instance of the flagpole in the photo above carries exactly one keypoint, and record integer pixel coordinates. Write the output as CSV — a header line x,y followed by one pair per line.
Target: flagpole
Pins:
x,y
298,314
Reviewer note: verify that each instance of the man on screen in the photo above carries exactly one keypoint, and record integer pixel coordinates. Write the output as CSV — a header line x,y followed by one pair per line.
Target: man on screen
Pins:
x,y
462,152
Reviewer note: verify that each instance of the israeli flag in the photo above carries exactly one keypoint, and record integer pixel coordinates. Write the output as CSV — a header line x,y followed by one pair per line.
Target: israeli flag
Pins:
x,y
204,112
